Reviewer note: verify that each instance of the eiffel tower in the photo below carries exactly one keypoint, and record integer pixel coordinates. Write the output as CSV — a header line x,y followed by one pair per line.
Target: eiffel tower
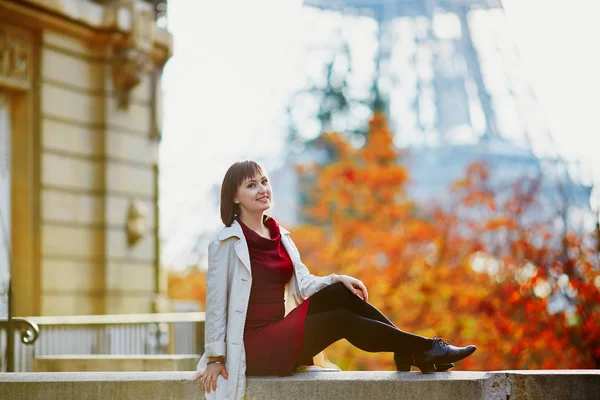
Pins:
x,y
450,76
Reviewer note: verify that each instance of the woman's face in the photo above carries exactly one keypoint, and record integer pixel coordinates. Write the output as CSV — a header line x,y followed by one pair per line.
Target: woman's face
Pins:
x,y
254,194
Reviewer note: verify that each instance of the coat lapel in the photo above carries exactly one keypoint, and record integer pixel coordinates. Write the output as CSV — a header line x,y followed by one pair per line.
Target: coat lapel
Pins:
x,y
241,247
287,243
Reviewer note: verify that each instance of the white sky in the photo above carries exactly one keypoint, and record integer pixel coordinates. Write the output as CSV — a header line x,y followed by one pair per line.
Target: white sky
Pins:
x,y
233,66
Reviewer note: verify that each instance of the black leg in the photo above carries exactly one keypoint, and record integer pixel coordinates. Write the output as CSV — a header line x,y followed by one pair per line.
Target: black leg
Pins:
x,y
325,328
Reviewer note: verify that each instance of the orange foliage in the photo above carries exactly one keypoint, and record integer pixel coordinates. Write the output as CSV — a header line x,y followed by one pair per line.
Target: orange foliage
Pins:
x,y
486,280
188,285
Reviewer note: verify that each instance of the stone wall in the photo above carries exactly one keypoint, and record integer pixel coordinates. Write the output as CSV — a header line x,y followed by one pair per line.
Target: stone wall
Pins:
x,y
95,112
96,160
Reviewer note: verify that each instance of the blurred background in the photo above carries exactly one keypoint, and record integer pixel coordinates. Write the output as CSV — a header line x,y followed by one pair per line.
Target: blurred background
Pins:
x,y
442,151
518,78
489,108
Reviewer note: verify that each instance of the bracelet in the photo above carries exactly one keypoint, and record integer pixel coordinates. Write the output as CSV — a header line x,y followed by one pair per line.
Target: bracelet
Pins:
x,y
215,362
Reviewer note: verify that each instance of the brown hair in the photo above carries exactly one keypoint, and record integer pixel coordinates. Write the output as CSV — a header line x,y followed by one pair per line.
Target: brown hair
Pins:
x,y
234,177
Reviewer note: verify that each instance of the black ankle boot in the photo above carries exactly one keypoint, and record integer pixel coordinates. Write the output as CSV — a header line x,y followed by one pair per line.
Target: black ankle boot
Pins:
x,y
403,364
442,352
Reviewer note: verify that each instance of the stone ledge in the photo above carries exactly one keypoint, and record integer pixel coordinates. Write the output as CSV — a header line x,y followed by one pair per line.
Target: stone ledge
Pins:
x,y
121,363
502,385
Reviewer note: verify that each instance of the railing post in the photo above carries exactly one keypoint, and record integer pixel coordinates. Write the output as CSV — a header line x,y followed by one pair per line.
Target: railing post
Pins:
x,y
29,332
10,337
200,337
172,338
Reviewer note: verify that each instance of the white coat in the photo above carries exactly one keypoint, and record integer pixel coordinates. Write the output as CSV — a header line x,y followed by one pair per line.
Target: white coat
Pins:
x,y
228,284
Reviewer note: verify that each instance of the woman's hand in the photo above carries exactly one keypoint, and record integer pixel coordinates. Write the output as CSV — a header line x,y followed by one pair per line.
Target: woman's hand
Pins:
x,y
354,285
209,377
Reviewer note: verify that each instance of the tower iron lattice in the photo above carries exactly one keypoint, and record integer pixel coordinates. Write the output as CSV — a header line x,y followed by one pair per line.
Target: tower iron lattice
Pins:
x,y
449,76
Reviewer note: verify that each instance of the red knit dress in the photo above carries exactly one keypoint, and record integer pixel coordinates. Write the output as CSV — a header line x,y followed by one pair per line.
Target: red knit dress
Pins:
x,y
273,340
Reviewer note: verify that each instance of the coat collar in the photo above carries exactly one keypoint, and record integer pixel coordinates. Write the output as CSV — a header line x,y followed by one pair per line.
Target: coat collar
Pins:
x,y
235,230
230,231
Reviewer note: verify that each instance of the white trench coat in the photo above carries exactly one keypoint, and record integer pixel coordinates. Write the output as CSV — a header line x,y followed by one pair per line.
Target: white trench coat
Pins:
x,y
228,284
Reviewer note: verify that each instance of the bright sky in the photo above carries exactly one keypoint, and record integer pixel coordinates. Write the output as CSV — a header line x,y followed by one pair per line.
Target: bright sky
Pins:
x,y
559,45
233,67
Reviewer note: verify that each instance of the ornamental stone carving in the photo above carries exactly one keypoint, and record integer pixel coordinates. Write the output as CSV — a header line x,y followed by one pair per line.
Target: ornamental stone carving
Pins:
x,y
137,222
15,60
132,54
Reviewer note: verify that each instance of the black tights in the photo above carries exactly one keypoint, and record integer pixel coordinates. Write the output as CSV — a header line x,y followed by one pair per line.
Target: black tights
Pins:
x,y
335,313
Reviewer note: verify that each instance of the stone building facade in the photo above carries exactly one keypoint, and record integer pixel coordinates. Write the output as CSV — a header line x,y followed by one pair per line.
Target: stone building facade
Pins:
x,y
79,132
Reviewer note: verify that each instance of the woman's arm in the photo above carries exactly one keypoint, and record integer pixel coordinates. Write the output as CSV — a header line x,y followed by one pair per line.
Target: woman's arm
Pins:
x,y
308,283
216,301
354,285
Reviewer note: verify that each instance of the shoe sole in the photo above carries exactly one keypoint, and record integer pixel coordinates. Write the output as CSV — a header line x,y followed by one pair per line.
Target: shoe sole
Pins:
x,y
426,368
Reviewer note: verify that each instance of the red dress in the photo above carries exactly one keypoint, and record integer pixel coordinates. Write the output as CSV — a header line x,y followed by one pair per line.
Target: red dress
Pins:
x,y
273,341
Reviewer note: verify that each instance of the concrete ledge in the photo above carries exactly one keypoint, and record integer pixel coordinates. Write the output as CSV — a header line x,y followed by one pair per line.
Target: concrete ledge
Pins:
x,y
502,385
100,363
556,384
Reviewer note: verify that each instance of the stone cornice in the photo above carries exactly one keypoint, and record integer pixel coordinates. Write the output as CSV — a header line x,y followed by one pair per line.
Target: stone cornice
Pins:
x,y
83,18
126,28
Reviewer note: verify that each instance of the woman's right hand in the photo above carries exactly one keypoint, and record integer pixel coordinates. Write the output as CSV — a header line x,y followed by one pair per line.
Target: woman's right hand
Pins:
x,y
210,375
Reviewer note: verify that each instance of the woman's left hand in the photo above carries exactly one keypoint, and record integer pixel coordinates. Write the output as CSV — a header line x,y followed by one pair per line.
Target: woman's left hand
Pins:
x,y
354,285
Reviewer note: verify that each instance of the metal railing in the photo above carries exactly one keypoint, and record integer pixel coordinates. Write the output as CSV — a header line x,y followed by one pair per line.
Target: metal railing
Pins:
x,y
134,334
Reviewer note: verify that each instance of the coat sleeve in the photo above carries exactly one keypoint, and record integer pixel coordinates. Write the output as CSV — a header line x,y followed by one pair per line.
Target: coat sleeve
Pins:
x,y
308,283
216,301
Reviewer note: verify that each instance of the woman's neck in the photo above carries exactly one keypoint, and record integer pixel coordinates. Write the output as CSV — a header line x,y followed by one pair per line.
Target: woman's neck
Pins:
x,y
255,222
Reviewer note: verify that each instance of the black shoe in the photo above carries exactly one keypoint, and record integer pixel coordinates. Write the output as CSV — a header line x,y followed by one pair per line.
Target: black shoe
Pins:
x,y
403,364
442,352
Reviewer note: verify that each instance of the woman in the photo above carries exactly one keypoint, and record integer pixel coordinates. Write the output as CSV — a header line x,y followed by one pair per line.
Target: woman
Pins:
x,y
267,315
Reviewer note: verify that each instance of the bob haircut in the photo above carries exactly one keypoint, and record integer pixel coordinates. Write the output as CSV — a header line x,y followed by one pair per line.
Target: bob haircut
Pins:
x,y
234,177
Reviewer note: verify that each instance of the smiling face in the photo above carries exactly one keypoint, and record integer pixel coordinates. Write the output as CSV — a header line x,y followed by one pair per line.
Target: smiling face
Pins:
x,y
254,195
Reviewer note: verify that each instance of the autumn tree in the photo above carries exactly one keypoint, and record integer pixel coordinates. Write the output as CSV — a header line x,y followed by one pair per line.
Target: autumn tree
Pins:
x,y
471,268
188,285
491,280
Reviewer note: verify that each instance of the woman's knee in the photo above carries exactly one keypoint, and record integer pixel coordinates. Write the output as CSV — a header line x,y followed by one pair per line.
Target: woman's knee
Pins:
x,y
343,292
333,291
331,297
339,287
